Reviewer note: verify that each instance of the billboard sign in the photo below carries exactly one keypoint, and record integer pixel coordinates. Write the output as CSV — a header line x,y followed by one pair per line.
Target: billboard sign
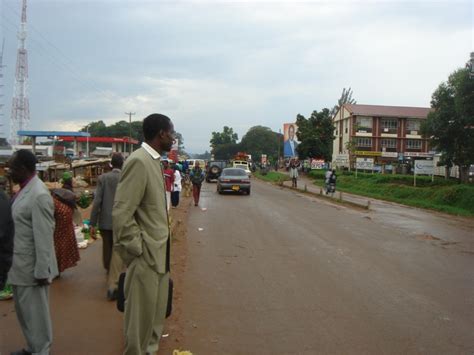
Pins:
x,y
317,164
424,167
173,154
290,142
365,163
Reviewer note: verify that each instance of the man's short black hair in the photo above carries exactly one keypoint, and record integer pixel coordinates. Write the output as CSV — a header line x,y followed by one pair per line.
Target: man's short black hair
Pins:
x,y
26,159
153,124
116,161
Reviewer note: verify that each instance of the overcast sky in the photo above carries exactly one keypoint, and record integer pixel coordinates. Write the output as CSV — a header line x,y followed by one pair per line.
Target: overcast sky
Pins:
x,y
207,64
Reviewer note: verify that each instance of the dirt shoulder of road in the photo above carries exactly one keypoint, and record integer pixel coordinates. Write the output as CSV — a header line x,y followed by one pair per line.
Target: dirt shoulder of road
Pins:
x,y
174,325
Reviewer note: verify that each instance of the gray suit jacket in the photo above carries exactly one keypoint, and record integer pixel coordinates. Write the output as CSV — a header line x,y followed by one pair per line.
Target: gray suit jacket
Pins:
x,y
33,250
104,199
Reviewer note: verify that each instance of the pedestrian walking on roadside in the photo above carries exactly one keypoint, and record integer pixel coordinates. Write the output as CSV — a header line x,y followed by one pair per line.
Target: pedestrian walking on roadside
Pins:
x,y
331,186
142,237
34,262
197,177
168,173
6,244
176,187
294,173
65,243
101,215
327,175
186,183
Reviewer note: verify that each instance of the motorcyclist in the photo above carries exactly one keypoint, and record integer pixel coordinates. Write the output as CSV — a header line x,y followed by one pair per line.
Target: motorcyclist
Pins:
x,y
331,185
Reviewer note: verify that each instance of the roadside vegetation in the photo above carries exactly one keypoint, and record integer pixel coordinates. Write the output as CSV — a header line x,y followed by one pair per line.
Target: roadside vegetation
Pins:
x,y
272,176
441,195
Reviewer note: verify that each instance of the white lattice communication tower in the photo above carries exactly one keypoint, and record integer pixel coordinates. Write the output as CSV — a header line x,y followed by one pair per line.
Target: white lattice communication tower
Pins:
x,y
20,106
2,116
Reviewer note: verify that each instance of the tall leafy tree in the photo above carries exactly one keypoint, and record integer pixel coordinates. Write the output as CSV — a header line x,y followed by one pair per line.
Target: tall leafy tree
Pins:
x,y
261,140
346,98
450,125
316,135
227,136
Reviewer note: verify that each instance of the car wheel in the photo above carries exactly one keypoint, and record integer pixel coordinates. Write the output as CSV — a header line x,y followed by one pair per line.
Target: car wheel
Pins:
x,y
219,191
248,192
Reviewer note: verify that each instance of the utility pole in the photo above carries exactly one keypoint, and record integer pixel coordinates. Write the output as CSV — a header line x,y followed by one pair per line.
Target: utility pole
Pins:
x,y
130,129
2,123
279,139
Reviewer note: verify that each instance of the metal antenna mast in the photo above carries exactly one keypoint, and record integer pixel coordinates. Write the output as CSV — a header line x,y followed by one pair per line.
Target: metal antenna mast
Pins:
x,y
20,106
2,122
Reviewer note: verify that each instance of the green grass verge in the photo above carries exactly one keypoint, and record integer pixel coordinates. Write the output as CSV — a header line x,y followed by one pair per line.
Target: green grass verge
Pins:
x,y
272,176
441,195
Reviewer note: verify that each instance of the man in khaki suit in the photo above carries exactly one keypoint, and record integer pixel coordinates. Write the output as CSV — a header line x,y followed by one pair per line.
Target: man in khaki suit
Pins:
x,y
34,261
141,232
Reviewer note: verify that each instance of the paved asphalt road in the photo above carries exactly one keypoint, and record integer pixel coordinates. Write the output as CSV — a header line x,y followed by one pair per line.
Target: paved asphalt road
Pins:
x,y
278,272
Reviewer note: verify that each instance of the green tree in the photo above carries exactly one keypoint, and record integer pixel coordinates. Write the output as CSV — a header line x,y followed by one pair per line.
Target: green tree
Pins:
x,y
346,98
450,125
227,136
226,151
261,140
316,135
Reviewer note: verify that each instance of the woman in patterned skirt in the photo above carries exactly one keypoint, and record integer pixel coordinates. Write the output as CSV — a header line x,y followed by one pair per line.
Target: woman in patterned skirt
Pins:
x,y
65,244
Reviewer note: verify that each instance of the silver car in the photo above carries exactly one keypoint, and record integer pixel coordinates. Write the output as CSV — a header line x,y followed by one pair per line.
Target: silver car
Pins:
x,y
233,179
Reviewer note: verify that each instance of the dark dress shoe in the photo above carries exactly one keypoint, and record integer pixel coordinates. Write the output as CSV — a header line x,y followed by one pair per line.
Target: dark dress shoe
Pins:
x,y
21,352
112,295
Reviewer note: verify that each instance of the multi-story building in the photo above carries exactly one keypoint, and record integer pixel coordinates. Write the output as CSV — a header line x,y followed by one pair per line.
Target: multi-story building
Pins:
x,y
385,133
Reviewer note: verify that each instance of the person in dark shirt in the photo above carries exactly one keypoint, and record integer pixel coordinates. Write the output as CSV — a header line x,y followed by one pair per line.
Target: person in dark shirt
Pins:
x,y
6,238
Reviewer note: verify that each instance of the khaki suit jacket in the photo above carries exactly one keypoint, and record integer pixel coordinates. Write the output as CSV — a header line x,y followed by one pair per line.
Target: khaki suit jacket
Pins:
x,y
140,215
33,247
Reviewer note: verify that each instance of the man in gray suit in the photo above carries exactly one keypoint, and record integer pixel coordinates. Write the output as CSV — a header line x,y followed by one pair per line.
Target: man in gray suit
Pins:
x,y
102,213
34,261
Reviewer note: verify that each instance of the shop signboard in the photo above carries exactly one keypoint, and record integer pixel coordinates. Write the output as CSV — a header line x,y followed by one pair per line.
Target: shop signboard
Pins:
x,y
389,154
317,164
424,167
365,163
418,154
368,153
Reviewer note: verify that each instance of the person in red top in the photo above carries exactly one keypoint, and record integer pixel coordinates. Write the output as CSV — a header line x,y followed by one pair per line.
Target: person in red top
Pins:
x,y
169,180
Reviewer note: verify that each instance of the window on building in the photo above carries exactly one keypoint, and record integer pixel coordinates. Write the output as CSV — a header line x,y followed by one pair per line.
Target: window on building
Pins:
x,y
413,144
413,126
346,123
388,143
364,124
389,125
364,142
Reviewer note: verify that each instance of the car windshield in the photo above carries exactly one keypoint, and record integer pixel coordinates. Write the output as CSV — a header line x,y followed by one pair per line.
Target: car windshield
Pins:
x,y
234,172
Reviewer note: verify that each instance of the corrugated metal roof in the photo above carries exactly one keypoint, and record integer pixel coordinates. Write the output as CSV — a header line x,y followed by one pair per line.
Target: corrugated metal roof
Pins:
x,y
387,111
52,133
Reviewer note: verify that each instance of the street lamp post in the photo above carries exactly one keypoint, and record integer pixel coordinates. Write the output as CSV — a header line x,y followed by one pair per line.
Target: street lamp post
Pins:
x,y
130,129
87,141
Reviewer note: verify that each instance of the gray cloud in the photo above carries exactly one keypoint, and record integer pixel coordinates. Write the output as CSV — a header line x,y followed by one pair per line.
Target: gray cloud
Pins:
x,y
213,63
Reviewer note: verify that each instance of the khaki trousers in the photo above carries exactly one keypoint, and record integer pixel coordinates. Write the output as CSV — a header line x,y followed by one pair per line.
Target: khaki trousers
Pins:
x,y
146,294
117,266
32,311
